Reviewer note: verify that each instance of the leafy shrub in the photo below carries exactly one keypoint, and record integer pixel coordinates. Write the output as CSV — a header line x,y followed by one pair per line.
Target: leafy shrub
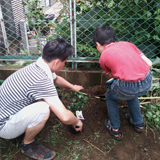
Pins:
x,y
78,101
34,14
133,20
153,109
153,115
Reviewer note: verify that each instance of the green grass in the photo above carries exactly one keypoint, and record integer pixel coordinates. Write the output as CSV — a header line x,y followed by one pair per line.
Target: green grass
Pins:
x,y
69,149
9,148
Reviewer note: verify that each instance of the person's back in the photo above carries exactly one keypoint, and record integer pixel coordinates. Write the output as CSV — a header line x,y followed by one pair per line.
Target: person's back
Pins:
x,y
23,88
129,69
28,95
124,59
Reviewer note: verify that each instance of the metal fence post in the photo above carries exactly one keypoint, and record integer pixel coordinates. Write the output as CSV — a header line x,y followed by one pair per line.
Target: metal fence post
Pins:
x,y
3,36
73,30
24,37
135,21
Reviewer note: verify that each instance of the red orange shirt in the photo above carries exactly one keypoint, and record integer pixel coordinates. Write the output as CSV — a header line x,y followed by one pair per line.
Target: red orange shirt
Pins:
x,y
123,60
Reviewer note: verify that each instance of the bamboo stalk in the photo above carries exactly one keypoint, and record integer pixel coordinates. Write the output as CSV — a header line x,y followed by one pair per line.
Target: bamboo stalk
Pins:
x,y
100,98
156,69
145,102
15,153
156,78
146,130
85,94
138,97
152,131
149,98
157,153
93,146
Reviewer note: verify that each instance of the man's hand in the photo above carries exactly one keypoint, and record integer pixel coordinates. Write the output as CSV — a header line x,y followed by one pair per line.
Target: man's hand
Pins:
x,y
65,115
78,126
62,82
77,88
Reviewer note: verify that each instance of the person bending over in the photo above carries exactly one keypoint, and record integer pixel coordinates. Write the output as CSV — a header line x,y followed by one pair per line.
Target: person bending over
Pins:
x,y
130,69
28,95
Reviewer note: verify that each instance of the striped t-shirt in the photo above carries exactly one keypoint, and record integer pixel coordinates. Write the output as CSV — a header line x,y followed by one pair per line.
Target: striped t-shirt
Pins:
x,y
23,88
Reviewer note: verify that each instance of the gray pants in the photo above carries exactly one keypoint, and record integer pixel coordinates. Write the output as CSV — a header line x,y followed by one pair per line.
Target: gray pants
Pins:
x,y
28,117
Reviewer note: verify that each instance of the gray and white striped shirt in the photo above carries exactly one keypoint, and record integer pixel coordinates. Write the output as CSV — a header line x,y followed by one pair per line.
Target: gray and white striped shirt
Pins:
x,y
25,87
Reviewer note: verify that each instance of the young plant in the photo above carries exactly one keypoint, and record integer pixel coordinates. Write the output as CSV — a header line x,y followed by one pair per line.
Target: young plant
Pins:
x,y
78,101
153,109
153,115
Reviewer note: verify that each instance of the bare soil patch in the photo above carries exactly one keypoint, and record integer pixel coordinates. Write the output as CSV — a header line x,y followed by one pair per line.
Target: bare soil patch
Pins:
x,y
94,142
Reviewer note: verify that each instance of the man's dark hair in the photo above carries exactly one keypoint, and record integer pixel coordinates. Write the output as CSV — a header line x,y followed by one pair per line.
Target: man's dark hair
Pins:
x,y
104,35
57,48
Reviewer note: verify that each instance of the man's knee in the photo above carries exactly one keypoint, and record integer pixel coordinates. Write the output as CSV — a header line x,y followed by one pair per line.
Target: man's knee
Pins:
x,y
40,113
47,114
44,108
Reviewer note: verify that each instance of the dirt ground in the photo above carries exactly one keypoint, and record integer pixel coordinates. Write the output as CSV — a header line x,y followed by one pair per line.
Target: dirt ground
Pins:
x,y
94,142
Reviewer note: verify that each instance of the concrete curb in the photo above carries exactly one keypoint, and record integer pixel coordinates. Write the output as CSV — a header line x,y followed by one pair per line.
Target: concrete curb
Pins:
x,y
83,77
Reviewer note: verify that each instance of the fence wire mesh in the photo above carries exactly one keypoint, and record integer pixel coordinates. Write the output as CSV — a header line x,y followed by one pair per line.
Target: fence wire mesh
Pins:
x,y
26,25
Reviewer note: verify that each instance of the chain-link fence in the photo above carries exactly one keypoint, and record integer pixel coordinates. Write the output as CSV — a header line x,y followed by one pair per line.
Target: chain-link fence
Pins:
x,y
26,25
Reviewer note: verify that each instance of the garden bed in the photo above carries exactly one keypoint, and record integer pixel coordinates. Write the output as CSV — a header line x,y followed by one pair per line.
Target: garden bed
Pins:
x,y
94,142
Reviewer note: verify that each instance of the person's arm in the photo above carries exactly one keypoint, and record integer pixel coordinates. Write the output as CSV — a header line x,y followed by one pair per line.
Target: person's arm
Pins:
x,y
65,115
147,60
64,83
110,75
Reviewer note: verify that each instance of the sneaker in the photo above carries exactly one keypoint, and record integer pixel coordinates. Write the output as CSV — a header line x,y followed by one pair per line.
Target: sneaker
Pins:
x,y
37,151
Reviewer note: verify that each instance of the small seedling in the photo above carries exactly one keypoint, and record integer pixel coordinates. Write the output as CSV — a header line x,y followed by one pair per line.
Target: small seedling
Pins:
x,y
96,134
78,102
153,115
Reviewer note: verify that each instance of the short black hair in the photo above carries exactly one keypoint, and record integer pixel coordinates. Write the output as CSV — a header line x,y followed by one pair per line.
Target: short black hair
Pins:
x,y
104,35
57,48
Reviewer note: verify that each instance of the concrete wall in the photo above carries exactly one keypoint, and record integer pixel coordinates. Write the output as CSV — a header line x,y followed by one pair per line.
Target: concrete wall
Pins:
x,y
81,77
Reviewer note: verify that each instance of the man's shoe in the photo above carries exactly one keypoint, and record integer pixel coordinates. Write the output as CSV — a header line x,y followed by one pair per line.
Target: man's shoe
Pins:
x,y
37,151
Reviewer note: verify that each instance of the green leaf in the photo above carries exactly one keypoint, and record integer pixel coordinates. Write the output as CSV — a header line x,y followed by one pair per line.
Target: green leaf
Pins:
x,y
156,37
156,62
74,99
149,114
158,113
154,116
157,120
149,14
68,107
136,1
111,4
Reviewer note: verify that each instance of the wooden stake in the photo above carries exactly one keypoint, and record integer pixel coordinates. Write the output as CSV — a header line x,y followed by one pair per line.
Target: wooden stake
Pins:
x,y
145,103
149,98
94,146
152,131
15,153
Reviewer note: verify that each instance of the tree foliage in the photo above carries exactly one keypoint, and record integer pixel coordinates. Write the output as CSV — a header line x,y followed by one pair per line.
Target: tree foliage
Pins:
x,y
136,21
